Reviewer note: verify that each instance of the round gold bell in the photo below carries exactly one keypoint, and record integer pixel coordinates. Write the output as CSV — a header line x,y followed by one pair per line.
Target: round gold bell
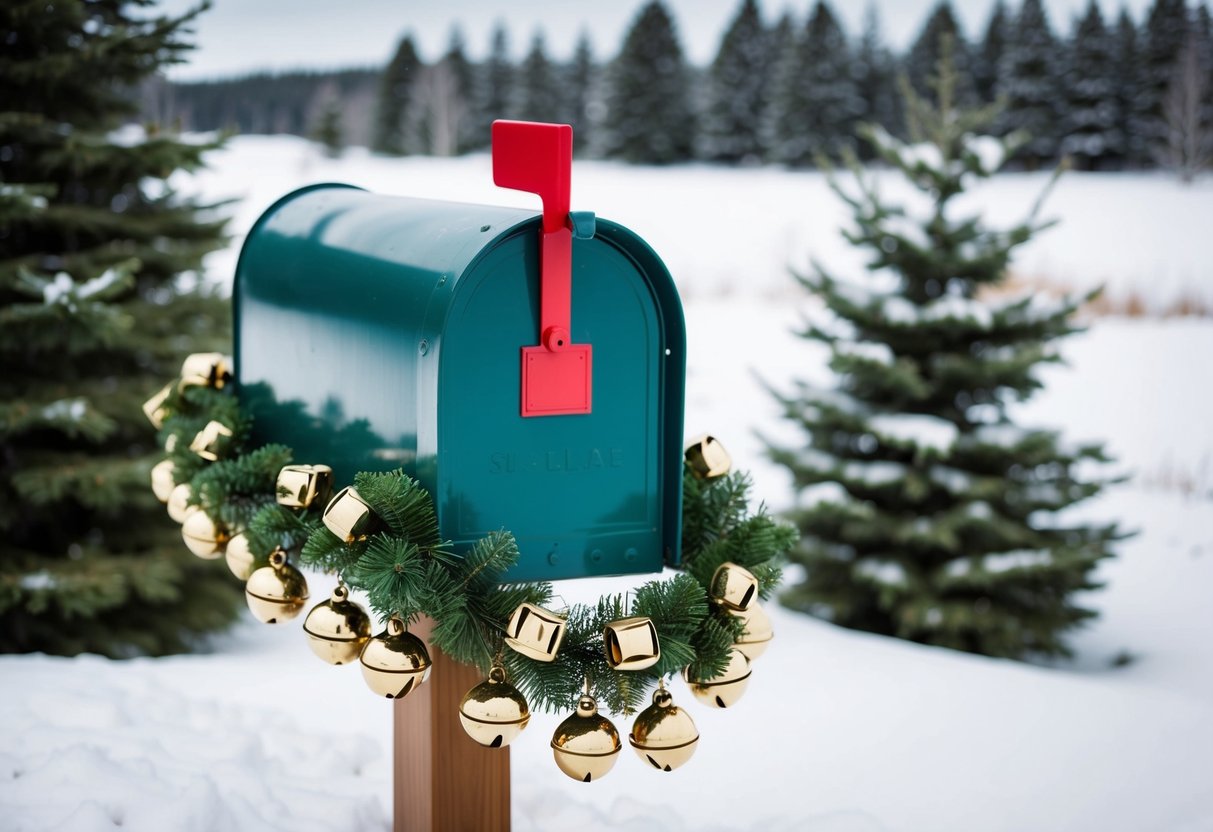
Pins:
x,y
664,735
494,712
203,536
725,690
586,745
239,557
395,661
179,506
162,480
277,592
337,628
758,633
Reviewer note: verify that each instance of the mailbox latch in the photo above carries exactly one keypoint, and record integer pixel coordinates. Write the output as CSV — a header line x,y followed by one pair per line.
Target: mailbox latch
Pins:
x,y
538,159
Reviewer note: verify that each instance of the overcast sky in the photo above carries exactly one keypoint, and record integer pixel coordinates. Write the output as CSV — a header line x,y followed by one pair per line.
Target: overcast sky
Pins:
x,y
240,36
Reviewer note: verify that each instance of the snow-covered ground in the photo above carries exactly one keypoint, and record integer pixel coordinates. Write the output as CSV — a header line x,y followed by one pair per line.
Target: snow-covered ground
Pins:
x,y
839,731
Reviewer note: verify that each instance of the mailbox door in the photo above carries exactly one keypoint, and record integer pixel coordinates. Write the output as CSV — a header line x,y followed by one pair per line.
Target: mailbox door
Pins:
x,y
601,478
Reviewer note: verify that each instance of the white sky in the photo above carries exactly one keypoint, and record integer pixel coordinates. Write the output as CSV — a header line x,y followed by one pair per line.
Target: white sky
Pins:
x,y
240,36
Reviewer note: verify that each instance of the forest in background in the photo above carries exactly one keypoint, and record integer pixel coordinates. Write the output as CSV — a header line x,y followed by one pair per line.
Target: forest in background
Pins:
x,y
1110,94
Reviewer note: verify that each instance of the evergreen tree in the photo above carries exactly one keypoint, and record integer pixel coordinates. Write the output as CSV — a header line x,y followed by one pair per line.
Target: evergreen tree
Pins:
x,y
92,322
580,93
1131,99
876,73
395,96
327,127
649,118
538,89
925,512
1029,83
941,28
1165,33
462,76
1093,134
494,90
784,49
818,97
736,95
988,56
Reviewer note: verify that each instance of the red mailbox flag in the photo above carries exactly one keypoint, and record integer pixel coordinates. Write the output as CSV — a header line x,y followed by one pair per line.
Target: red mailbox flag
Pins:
x,y
538,158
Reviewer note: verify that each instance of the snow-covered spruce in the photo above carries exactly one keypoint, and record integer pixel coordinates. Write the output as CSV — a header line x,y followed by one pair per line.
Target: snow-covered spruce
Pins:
x,y
944,527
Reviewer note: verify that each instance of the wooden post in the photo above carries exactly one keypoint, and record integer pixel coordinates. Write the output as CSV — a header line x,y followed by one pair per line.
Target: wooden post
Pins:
x,y
442,780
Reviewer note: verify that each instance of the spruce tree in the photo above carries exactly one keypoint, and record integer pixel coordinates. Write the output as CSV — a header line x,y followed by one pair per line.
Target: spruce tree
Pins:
x,y
818,97
737,83
649,118
1093,136
987,56
538,90
93,320
328,130
579,93
941,28
463,83
784,48
396,90
1131,98
1164,36
925,512
1029,83
876,81
494,91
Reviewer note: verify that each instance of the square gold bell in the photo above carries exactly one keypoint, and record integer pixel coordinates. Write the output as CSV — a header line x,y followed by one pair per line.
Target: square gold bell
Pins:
x,y
733,587
350,517
206,369
301,486
209,442
708,458
154,408
631,643
535,632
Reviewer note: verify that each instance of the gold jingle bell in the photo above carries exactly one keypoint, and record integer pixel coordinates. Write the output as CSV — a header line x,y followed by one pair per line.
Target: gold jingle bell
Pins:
x,y
154,408
179,506
203,536
494,712
535,632
211,440
349,517
300,486
631,643
239,557
664,735
586,745
337,628
395,661
277,592
162,480
756,637
725,690
733,587
708,458
205,369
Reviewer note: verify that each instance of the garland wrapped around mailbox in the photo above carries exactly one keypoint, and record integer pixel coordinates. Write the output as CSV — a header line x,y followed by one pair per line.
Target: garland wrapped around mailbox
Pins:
x,y
380,536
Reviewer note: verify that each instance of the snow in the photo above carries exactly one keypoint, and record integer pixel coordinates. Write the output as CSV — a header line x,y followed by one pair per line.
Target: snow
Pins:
x,y
1000,562
989,152
66,409
924,431
869,350
728,231
839,731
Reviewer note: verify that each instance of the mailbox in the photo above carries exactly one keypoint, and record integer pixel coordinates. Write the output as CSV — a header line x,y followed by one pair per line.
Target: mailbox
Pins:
x,y
376,332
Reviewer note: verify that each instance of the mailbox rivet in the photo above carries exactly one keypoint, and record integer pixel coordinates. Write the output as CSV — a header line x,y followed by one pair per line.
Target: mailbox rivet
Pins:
x,y
553,557
485,228
631,554
423,347
596,555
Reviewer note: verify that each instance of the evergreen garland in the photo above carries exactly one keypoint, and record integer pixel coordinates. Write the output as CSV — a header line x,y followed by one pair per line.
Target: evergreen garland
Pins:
x,y
408,571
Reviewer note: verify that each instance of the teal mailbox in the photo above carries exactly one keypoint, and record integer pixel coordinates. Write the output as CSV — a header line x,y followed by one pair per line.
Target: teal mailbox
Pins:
x,y
528,370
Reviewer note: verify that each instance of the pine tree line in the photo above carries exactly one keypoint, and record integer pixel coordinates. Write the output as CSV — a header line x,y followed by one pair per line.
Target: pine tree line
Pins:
x,y
1111,94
